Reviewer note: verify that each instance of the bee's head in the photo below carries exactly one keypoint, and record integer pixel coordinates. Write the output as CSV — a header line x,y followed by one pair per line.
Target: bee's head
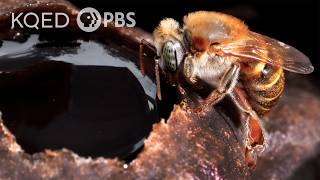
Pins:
x,y
168,38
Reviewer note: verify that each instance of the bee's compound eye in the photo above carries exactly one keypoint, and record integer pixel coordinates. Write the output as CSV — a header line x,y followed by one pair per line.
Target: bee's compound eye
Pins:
x,y
172,54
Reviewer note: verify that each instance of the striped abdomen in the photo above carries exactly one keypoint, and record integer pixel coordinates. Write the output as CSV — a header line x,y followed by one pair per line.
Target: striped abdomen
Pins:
x,y
264,84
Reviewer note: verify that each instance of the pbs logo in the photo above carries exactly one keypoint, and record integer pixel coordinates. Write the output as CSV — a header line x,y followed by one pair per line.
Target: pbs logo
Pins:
x,y
89,19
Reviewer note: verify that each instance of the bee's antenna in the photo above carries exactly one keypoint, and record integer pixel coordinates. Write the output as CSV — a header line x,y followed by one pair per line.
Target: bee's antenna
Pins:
x,y
144,43
156,59
156,68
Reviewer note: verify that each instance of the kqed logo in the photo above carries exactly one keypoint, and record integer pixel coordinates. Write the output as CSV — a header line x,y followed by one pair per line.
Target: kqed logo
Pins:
x,y
88,20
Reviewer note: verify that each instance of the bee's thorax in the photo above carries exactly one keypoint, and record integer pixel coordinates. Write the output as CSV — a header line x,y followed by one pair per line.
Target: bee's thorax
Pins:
x,y
210,68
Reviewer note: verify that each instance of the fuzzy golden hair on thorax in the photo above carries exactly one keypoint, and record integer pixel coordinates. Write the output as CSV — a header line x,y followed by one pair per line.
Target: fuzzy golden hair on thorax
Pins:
x,y
214,26
168,29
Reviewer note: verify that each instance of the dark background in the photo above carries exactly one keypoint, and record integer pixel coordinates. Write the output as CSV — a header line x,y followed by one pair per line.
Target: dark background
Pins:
x,y
295,22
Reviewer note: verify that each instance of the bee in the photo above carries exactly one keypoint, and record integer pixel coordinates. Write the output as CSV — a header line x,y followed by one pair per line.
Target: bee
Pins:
x,y
217,53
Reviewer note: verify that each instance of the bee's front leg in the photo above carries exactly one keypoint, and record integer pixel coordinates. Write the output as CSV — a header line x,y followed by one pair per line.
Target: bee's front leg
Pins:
x,y
188,85
227,83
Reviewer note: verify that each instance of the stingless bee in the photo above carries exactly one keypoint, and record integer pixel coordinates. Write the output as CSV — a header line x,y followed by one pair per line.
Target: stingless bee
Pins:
x,y
218,52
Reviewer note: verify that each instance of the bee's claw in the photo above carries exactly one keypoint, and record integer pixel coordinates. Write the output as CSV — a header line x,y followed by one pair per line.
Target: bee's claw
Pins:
x,y
199,110
250,158
252,153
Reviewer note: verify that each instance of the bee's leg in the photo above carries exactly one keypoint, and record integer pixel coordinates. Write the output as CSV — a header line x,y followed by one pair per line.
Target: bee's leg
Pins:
x,y
142,46
254,132
190,99
189,85
227,83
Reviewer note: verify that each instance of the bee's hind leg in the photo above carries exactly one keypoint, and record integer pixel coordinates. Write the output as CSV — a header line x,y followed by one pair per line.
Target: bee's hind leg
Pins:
x,y
255,139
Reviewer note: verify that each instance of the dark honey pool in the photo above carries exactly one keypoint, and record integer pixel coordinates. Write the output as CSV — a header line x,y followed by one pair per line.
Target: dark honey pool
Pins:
x,y
79,95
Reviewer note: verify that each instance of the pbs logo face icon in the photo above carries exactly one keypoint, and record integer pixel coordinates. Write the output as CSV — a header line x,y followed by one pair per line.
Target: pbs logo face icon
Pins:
x,y
89,19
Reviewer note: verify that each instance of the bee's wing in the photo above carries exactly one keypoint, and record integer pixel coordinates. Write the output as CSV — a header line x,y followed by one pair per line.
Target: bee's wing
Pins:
x,y
268,50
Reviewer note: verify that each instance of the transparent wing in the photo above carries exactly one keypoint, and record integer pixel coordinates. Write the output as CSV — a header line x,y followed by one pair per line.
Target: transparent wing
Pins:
x,y
262,48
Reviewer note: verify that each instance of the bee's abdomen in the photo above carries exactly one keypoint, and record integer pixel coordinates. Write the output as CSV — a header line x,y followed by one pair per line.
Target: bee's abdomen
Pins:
x,y
264,85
